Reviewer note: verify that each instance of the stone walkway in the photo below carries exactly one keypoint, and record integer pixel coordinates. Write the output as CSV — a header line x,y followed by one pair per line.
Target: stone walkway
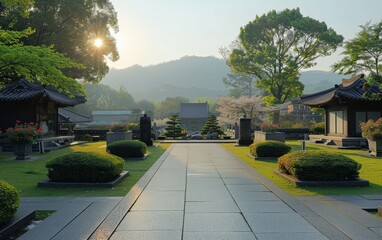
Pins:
x,y
200,191
203,192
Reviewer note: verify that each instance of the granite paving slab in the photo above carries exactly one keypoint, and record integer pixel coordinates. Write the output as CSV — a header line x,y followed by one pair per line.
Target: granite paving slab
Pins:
x,y
278,223
147,235
254,196
81,227
215,222
239,180
264,207
291,236
247,188
152,220
160,200
218,236
227,206
344,223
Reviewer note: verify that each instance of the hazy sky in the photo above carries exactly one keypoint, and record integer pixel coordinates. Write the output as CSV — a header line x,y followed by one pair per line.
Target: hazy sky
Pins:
x,y
156,31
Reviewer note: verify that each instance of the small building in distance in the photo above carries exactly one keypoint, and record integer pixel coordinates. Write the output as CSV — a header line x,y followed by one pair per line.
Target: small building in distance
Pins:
x,y
108,117
345,107
31,102
68,119
193,116
299,112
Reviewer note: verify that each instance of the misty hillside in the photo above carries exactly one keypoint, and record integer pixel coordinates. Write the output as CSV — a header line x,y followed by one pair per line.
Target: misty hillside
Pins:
x,y
193,77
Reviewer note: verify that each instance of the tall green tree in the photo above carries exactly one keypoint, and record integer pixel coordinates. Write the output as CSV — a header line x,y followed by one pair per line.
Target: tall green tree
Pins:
x,y
276,46
36,63
211,126
173,128
71,27
363,54
169,107
102,97
240,84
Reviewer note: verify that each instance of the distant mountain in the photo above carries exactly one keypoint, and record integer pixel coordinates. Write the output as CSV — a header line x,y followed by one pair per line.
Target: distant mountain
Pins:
x,y
188,75
192,77
316,81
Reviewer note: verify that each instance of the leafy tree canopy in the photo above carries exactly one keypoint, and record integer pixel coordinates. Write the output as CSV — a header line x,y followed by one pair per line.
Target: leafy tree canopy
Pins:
x,y
241,84
363,54
71,27
169,106
276,46
35,63
102,97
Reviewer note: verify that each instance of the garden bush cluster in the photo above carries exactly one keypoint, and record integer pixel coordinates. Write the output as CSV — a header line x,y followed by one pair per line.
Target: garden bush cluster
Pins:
x,y
84,167
128,148
313,165
269,148
9,202
318,128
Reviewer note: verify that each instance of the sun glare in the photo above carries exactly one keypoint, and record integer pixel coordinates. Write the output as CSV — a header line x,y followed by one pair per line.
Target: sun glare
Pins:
x,y
98,42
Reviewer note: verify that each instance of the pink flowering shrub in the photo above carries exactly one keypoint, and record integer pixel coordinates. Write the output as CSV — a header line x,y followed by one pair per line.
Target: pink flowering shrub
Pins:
x,y
23,132
372,130
268,127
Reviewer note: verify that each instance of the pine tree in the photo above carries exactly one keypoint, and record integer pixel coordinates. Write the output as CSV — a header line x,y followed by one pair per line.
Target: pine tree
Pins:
x,y
173,129
212,126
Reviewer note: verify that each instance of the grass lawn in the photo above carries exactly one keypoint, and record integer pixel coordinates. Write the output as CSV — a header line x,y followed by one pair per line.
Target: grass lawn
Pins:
x,y
25,175
371,170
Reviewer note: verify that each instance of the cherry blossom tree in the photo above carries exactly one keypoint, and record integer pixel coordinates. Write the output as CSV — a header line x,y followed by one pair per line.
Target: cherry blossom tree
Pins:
x,y
231,109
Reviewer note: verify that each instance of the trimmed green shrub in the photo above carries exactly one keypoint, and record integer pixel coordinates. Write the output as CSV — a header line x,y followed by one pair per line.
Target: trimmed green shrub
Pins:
x,y
269,148
127,148
9,201
318,128
84,167
313,165
88,137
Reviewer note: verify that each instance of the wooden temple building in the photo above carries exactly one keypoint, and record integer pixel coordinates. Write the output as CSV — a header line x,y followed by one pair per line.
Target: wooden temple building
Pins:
x,y
345,107
31,102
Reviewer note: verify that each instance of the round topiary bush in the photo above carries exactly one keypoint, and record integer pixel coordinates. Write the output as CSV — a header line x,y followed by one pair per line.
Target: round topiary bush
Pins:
x,y
9,202
127,148
313,165
84,167
269,148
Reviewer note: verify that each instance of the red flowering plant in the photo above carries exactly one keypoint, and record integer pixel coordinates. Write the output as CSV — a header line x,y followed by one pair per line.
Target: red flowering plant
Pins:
x,y
268,127
371,129
23,132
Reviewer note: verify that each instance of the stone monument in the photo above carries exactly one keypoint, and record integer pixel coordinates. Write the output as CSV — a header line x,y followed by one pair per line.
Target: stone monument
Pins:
x,y
145,130
245,132
237,130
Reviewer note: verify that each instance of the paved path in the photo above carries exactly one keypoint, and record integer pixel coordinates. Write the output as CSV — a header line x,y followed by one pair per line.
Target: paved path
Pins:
x,y
201,191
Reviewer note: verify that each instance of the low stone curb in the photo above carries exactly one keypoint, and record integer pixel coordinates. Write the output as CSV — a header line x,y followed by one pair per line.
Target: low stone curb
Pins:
x,y
18,222
356,183
47,183
137,158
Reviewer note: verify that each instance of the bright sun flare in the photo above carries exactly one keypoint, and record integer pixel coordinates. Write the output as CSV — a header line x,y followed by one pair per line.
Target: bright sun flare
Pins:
x,y
98,42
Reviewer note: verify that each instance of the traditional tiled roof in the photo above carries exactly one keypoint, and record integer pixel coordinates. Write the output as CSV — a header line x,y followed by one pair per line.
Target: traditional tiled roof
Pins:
x,y
24,90
68,115
193,110
350,91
